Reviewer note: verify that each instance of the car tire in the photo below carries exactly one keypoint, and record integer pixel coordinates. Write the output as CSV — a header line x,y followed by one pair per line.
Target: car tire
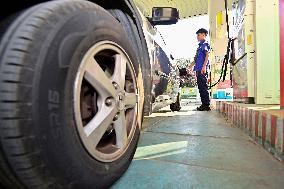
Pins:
x,y
175,107
50,98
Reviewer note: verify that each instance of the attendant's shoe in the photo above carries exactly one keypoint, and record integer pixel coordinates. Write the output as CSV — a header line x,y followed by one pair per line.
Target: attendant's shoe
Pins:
x,y
203,108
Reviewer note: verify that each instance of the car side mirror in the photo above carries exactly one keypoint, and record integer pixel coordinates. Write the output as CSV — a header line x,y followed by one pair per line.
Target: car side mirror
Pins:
x,y
164,16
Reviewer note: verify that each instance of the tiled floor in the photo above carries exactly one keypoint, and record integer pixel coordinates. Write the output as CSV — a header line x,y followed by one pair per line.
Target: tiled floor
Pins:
x,y
190,149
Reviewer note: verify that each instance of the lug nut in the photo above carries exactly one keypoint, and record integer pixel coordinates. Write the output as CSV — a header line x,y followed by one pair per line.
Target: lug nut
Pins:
x,y
116,117
108,101
115,85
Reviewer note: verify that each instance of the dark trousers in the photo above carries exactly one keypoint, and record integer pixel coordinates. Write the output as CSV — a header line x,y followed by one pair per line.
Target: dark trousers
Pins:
x,y
203,88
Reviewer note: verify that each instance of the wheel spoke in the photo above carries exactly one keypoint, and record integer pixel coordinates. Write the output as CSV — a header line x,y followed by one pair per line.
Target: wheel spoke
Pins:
x,y
119,70
99,80
131,100
121,130
97,127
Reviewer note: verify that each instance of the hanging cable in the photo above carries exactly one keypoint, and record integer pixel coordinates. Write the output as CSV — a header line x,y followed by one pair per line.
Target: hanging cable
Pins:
x,y
229,42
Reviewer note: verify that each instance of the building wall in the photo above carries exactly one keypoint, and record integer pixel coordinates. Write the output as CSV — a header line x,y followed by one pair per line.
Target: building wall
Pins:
x,y
218,31
267,51
218,38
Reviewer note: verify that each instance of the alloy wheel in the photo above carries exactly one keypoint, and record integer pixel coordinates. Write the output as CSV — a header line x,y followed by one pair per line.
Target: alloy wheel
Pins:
x,y
105,101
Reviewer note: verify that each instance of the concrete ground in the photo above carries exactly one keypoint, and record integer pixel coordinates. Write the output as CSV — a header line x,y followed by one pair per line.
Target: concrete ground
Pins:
x,y
190,149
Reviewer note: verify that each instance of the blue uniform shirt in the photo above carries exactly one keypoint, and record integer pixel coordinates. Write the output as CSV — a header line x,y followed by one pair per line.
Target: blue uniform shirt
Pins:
x,y
203,47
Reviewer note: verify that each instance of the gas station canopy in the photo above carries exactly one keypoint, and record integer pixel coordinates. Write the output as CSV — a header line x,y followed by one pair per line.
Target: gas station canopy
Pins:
x,y
187,8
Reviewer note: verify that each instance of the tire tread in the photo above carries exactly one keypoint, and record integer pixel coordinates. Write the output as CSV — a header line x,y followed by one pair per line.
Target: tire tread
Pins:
x,y
20,165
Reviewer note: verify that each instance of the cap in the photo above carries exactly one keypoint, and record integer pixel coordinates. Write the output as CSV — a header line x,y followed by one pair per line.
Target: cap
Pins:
x,y
202,30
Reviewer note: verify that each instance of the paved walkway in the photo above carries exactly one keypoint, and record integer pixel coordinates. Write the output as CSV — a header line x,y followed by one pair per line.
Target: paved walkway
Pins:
x,y
192,149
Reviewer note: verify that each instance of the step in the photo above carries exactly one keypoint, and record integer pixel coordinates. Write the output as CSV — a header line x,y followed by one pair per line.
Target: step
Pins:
x,y
264,123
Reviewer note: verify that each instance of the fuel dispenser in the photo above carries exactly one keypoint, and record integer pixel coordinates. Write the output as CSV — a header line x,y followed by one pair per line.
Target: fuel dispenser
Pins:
x,y
251,46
